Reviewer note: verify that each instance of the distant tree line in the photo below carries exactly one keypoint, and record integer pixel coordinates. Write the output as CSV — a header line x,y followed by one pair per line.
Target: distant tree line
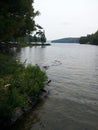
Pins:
x,y
90,39
67,40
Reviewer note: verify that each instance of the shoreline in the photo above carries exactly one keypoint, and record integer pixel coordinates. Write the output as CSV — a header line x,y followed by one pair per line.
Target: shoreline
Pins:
x,y
21,112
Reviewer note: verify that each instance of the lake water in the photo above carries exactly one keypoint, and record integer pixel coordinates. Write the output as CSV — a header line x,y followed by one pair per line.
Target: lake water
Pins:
x,y
72,103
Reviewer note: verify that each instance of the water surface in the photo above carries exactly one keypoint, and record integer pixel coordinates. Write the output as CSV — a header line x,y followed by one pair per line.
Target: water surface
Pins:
x,y
72,103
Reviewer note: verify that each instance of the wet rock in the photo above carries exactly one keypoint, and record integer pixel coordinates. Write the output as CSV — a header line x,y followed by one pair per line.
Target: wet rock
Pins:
x,y
45,67
49,81
18,113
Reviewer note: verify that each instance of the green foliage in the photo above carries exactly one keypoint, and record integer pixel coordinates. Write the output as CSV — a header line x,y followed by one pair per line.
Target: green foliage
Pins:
x,y
10,98
90,39
16,19
17,24
17,84
40,35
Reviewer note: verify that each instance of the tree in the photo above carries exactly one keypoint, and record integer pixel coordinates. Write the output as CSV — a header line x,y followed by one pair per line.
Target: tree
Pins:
x,y
16,19
91,39
41,36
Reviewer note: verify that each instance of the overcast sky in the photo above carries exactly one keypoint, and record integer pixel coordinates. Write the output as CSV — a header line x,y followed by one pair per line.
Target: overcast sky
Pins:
x,y
67,18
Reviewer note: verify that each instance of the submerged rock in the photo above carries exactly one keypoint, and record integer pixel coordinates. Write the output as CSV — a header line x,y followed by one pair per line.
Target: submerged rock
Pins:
x,y
45,67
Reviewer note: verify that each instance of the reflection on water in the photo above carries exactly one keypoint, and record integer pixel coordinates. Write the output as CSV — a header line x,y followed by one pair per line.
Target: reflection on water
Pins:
x,y
73,100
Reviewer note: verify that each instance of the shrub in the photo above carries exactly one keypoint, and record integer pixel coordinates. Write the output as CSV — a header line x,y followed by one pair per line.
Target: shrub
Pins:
x,y
17,84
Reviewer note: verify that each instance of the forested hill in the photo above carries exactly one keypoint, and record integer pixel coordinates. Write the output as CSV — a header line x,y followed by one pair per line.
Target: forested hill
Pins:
x,y
90,39
66,40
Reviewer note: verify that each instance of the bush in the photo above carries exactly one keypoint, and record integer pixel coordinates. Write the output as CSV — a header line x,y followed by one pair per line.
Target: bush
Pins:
x,y
17,84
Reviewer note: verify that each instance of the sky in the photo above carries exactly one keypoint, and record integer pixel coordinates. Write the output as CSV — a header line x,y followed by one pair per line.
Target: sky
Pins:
x,y
67,18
